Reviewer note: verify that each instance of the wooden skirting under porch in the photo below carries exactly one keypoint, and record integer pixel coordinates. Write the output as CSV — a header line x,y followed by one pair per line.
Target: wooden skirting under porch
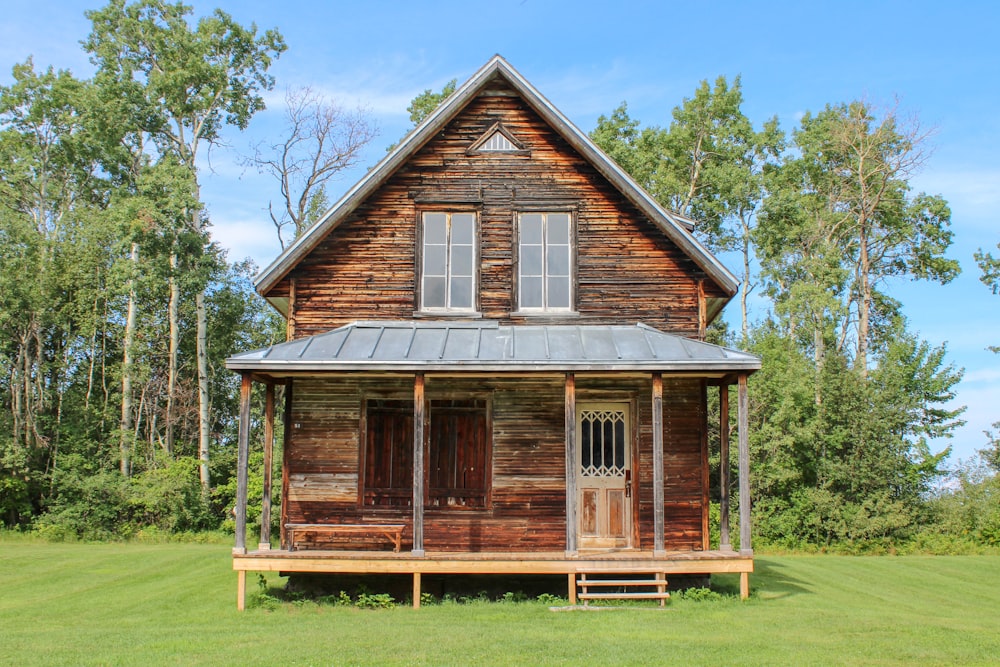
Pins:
x,y
554,563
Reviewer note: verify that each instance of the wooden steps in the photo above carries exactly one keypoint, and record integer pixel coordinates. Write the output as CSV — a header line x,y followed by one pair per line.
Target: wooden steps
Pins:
x,y
635,588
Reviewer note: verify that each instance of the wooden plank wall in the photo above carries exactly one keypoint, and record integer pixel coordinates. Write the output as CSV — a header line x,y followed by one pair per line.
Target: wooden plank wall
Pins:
x,y
627,269
528,485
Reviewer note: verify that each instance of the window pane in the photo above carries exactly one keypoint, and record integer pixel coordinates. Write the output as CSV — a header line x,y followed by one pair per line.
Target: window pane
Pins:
x,y
461,260
558,228
434,292
463,227
531,228
434,260
558,292
461,292
531,260
435,228
531,292
558,256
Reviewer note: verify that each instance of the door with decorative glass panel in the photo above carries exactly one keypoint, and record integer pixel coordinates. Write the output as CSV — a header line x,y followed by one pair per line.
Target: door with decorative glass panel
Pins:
x,y
604,475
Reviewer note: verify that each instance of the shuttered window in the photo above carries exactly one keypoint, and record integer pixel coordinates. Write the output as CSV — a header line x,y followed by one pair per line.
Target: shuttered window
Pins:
x,y
545,262
388,474
458,453
448,278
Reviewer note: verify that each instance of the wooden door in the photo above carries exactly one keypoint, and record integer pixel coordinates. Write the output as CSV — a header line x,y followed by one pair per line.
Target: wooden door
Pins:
x,y
604,475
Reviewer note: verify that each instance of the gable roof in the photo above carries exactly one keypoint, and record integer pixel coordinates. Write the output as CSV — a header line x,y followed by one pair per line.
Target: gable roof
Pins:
x,y
676,227
486,346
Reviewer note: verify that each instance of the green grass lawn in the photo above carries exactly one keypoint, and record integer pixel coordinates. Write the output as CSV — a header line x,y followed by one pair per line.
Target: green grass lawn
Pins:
x,y
161,604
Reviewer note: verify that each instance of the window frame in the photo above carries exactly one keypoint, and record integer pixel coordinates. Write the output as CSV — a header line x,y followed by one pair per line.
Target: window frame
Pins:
x,y
365,458
432,493
421,278
571,278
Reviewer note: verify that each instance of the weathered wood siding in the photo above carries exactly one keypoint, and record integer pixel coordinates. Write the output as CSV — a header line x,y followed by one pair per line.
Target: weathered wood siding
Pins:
x,y
626,271
528,502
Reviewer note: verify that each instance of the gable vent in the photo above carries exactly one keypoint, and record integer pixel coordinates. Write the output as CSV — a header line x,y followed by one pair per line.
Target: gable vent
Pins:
x,y
498,142
497,139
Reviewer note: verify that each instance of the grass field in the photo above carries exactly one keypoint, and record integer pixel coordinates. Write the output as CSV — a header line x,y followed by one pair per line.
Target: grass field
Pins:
x,y
123,604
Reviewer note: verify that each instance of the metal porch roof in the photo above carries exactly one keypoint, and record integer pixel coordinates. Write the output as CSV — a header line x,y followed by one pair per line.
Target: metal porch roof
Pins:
x,y
488,346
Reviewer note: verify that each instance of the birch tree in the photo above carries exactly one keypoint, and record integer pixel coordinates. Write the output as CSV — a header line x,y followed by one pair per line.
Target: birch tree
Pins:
x,y
187,83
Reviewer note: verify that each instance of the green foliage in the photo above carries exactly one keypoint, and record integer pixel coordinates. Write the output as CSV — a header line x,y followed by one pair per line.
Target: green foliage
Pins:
x,y
424,104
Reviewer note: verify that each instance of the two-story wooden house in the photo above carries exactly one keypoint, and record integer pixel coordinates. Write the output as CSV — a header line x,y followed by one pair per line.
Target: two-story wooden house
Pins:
x,y
496,364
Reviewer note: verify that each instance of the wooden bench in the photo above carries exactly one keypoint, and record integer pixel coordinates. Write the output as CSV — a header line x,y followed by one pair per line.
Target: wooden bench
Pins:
x,y
392,532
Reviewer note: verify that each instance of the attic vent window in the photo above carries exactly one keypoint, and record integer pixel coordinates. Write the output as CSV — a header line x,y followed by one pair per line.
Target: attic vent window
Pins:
x,y
497,140
498,143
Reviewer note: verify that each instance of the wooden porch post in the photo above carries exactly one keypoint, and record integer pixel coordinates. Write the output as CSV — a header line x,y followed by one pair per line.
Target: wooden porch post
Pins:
x,y
265,509
658,545
744,456
724,481
571,458
418,465
242,458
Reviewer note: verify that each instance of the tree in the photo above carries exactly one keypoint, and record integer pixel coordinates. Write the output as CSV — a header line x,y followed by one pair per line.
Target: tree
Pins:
x,y
424,104
854,163
322,139
708,165
182,85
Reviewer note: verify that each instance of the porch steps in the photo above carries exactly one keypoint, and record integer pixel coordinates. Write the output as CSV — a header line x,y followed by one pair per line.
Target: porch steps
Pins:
x,y
636,588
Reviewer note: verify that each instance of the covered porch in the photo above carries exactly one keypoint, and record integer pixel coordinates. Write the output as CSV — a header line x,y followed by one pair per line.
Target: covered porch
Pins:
x,y
419,353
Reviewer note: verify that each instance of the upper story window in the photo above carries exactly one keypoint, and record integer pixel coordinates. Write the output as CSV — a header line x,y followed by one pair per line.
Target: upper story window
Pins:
x,y
545,262
448,279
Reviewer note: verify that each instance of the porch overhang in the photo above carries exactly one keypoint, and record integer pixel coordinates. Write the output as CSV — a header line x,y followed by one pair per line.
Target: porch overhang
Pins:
x,y
483,346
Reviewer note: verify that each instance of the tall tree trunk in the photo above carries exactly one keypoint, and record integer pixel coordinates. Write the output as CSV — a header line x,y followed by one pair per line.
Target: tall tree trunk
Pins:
x,y
173,310
865,302
125,424
203,404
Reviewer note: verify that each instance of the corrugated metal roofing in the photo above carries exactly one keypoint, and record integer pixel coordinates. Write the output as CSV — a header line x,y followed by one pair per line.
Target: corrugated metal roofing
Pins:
x,y
488,346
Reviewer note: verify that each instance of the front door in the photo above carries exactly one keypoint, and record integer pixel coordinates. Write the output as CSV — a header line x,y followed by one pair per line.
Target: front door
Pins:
x,y
604,475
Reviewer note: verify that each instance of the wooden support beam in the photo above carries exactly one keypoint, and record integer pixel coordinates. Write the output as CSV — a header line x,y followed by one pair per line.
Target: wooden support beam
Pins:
x,y
286,450
416,590
658,518
265,509
571,591
706,500
702,311
242,463
744,585
571,464
290,320
418,465
241,590
744,467
724,481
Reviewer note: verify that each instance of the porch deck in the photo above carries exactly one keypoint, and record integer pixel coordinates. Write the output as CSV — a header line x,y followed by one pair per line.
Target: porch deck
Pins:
x,y
548,562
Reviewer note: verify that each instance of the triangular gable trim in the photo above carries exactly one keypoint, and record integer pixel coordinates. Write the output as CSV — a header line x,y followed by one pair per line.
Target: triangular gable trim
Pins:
x,y
675,227
497,139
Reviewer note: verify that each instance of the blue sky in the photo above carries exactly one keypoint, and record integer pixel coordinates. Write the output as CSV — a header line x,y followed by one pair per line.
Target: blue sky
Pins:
x,y
939,61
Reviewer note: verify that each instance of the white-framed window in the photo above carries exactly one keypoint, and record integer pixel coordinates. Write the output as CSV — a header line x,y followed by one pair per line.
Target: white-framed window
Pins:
x,y
545,262
448,266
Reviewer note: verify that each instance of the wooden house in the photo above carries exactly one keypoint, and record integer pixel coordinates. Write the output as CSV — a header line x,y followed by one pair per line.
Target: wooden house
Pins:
x,y
496,364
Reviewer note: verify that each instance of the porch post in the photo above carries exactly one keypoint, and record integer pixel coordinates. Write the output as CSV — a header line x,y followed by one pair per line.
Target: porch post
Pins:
x,y
743,407
418,465
242,457
724,481
571,458
658,546
265,509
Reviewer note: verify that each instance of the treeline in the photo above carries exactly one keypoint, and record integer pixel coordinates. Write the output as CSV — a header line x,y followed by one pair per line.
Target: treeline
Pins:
x,y
849,399
117,309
